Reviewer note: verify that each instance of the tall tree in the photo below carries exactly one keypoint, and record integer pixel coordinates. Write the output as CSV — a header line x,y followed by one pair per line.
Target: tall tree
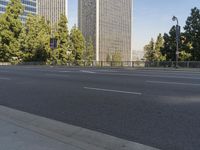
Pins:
x,y
70,53
150,51
192,34
153,49
169,47
10,28
158,46
62,38
77,43
35,39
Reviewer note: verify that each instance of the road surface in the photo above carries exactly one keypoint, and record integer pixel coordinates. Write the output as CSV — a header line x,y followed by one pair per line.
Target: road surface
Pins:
x,y
157,108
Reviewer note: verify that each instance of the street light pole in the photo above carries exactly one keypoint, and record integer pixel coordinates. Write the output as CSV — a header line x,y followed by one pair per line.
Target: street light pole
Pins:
x,y
177,38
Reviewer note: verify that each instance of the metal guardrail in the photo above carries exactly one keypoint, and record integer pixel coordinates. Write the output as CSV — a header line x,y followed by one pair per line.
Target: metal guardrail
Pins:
x,y
172,64
132,64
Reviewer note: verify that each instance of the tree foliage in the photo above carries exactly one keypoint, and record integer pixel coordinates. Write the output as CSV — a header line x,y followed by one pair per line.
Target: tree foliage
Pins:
x,y
169,46
150,51
10,28
31,41
189,43
60,54
184,56
192,34
153,49
35,39
77,44
158,46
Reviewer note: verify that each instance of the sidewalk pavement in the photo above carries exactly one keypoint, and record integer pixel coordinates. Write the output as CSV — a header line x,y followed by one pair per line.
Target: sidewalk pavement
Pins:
x,y
24,131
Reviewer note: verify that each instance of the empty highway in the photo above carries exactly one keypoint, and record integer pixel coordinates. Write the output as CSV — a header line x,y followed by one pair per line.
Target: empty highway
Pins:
x,y
157,108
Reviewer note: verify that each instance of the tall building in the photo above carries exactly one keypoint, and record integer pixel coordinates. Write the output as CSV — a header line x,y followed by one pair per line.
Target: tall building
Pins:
x,y
30,7
52,9
108,23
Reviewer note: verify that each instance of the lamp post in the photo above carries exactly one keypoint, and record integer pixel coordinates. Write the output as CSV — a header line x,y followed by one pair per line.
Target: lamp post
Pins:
x,y
178,28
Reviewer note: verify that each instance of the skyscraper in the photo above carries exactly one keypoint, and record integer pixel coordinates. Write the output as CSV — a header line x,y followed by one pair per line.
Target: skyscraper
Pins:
x,y
30,7
52,9
108,23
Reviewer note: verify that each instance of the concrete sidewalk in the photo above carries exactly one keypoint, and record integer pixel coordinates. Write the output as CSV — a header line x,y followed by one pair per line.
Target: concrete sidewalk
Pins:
x,y
24,131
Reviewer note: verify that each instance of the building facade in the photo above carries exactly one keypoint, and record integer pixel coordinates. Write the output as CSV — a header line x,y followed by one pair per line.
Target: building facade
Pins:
x,y
30,7
52,9
109,24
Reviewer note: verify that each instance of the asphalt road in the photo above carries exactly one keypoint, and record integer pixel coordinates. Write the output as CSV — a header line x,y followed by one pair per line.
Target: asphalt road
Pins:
x,y
156,108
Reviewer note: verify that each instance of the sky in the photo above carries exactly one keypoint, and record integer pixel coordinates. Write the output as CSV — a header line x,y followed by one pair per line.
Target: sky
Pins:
x,y
150,17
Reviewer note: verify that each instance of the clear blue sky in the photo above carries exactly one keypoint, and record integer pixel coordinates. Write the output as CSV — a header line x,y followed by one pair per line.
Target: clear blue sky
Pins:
x,y
150,17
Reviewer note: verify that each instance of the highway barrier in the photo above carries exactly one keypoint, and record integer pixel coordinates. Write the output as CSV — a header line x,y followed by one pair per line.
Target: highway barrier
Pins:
x,y
122,64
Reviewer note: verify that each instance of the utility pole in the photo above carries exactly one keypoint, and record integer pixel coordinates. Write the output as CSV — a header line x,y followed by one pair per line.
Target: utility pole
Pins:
x,y
178,30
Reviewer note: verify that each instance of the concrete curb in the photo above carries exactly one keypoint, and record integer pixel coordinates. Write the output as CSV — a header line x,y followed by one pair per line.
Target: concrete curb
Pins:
x,y
168,69
78,137
113,68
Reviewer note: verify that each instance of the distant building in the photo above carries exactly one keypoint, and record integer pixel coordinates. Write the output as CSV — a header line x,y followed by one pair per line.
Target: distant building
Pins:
x,y
29,5
108,23
137,55
52,9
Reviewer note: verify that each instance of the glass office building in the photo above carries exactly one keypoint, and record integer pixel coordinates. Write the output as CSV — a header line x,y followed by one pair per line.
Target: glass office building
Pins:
x,y
109,24
51,10
30,7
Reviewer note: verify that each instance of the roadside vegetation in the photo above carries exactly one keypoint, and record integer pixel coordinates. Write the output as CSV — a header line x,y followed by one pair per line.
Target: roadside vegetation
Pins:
x,y
164,47
30,41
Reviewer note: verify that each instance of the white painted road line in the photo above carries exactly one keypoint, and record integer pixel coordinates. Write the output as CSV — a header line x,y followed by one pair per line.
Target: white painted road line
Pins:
x,y
173,83
85,71
1,78
67,71
3,71
114,91
152,76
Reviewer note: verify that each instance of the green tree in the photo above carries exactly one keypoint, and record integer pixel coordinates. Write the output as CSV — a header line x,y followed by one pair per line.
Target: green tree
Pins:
x,y
89,51
35,39
77,44
169,47
71,50
158,46
62,38
192,34
150,51
184,56
10,29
